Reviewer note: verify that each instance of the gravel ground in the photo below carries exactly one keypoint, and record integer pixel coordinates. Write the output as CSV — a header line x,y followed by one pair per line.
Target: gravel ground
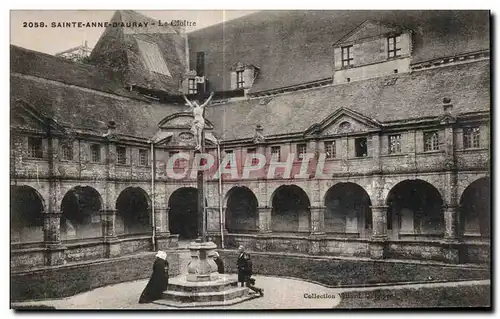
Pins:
x,y
279,293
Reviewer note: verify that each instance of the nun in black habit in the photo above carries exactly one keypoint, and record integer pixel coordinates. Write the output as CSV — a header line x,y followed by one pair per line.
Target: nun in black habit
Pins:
x,y
159,279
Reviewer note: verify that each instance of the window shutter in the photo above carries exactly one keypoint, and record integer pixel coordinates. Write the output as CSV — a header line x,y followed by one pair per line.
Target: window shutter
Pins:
x,y
369,146
337,55
248,78
441,140
233,80
351,148
185,86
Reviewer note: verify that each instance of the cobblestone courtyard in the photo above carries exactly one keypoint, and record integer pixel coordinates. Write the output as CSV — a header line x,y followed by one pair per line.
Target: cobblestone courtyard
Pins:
x,y
280,293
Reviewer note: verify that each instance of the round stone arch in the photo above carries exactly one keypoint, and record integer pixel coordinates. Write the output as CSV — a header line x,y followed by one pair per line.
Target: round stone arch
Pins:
x,y
133,211
348,209
415,209
290,209
27,209
466,179
80,207
241,205
475,209
390,182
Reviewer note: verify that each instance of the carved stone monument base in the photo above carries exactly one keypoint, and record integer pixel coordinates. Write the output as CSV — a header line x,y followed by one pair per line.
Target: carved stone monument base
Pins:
x,y
203,286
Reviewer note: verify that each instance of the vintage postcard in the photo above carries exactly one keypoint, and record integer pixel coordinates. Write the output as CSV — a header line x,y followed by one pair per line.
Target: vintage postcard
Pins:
x,y
250,159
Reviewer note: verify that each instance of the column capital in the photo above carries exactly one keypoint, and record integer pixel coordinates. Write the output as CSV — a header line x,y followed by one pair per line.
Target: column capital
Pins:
x,y
450,207
52,215
379,207
107,212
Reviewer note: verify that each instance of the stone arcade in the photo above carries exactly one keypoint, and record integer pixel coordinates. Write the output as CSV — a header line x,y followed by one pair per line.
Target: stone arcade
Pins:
x,y
401,110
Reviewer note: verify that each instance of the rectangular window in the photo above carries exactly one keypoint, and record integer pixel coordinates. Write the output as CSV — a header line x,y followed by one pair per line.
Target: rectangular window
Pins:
x,y
67,152
230,156
276,153
395,144
330,149
394,46
471,137
240,82
95,153
431,141
121,155
252,152
143,157
347,56
200,63
192,86
35,147
361,147
301,150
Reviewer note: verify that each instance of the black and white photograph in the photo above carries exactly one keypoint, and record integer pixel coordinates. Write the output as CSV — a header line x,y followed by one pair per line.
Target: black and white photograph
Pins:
x,y
250,159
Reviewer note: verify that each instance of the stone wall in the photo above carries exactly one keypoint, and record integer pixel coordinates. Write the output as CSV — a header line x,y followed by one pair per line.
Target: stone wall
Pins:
x,y
68,280
348,272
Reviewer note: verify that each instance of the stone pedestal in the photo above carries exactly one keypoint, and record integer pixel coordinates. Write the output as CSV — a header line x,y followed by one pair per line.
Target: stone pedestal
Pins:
x,y
202,266
318,220
203,286
264,221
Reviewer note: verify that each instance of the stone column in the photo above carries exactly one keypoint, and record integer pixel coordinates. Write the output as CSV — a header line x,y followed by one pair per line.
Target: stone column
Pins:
x,y
264,221
451,236
162,231
55,254
111,243
379,234
318,220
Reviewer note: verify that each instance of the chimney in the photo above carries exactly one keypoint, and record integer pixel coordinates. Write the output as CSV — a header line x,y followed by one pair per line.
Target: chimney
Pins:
x,y
447,106
111,127
259,129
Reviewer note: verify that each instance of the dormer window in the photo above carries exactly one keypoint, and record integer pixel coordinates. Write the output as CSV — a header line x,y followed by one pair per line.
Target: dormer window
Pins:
x,y
192,86
240,82
347,56
243,75
394,46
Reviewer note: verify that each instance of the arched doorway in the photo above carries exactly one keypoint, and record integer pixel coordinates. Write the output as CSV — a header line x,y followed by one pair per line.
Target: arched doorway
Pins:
x,y
133,214
290,211
80,217
415,210
348,210
475,209
241,210
26,215
183,213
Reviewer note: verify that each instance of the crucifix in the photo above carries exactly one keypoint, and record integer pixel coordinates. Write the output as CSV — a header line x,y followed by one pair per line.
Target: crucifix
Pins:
x,y
197,128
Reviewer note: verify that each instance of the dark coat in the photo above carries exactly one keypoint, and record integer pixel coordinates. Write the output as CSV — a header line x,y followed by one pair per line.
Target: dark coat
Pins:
x,y
220,265
157,283
244,265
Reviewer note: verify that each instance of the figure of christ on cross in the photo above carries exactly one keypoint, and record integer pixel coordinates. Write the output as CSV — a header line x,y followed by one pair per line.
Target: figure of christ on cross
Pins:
x,y
199,119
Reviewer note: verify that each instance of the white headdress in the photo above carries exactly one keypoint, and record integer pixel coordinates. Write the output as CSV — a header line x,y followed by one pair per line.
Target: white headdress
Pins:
x,y
161,254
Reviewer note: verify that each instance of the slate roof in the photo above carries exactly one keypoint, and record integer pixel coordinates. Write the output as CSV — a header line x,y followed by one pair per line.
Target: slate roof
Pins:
x,y
59,69
412,96
72,105
294,47
119,48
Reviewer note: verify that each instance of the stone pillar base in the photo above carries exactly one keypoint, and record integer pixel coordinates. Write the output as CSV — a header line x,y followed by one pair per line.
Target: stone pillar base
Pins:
x,y
452,252
378,249
55,254
112,248
166,240
202,266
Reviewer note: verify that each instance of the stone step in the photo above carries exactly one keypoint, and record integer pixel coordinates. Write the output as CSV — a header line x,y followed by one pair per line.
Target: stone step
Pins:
x,y
190,297
214,286
204,304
